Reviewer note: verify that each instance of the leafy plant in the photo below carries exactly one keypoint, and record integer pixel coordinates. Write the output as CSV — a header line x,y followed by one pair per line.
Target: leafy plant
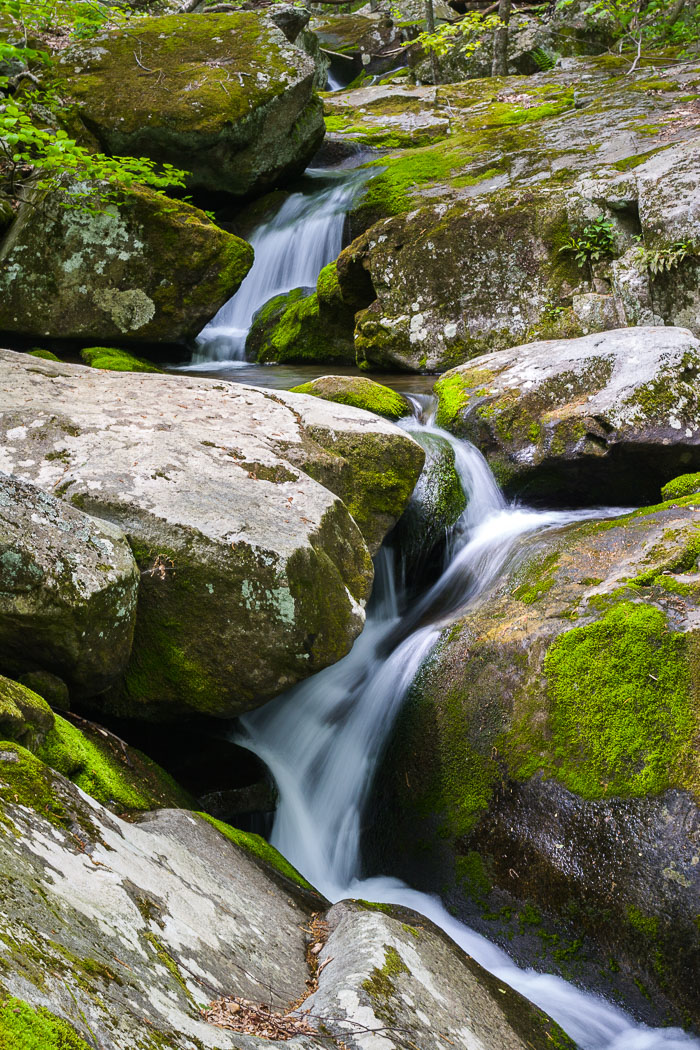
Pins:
x,y
597,240
544,60
641,25
464,36
663,260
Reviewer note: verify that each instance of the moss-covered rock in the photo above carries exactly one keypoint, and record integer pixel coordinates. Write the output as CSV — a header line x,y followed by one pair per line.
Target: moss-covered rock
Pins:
x,y
225,96
115,360
435,504
251,515
565,420
25,717
360,392
549,751
24,1028
142,270
295,326
68,587
45,355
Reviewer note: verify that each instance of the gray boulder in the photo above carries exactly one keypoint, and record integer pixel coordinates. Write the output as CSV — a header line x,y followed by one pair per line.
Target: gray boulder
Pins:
x,y
605,418
143,270
225,96
141,926
252,516
68,588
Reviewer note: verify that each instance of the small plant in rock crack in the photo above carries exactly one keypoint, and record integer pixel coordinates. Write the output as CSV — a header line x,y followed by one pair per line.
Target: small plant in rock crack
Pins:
x,y
597,240
662,260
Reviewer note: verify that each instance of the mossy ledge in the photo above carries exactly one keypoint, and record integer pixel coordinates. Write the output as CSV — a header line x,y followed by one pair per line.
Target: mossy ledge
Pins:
x,y
358,392
259,848
111,359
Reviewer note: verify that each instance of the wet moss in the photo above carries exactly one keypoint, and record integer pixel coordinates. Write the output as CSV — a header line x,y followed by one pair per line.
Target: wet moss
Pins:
x,y
259,848
380,984
45,355
453,392
684,485
26,781
25,717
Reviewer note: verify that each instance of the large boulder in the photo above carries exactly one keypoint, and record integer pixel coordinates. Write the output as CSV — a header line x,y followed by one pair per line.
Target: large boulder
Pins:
x,y
225,96
68,587
143,269
180,931
466,241
545,770
360,392
605,417
252,516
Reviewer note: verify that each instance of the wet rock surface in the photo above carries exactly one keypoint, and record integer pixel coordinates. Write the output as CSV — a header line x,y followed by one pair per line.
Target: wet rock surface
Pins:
x,y
251,515
545,770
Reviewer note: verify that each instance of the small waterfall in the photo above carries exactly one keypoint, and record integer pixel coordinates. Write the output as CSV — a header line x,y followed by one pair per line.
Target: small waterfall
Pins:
x,y
322,741
291,249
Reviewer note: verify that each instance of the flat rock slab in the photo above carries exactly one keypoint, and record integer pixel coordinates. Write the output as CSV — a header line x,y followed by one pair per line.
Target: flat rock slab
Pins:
x,y
68,590
254,573
604,418
225,96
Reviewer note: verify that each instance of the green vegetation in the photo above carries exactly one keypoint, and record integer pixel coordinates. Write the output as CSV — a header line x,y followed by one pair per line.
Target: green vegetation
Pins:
x,y
596,240
259,848
684,485
25,717
621,718
105,774
380,985
113,360
37,153
663,260
45,355
359,392
24,1028
453,393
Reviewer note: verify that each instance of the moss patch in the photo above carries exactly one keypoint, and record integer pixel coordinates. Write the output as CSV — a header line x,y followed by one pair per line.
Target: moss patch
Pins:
x,y
261,849
359,392
24,1028
685,485
113,360
25,717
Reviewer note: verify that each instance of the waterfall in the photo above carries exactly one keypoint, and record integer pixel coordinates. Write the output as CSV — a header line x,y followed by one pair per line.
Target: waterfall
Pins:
x,y
322,741
291,249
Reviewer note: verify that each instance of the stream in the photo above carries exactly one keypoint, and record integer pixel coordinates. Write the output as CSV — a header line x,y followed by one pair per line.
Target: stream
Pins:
x,y
322,740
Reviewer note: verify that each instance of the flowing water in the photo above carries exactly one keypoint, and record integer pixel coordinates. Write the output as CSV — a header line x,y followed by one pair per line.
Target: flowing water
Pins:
x,y
291,249
323,739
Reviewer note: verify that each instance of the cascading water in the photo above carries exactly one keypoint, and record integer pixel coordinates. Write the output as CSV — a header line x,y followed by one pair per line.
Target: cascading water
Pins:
x,y
322,741
291,249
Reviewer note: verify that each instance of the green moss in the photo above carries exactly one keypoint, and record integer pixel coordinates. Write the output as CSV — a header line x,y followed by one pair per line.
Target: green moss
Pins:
x,y
25,717
24,1028
113,360
290,327
380,985
328,285
45,355
453,394
684,485
359,392
261,849
537,580
26,781
471,875
622,721
89,763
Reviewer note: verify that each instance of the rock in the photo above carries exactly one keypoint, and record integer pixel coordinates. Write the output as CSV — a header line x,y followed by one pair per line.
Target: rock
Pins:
x,y
25,717
685,485
463,232
360,392
46,355
115,360
49,686
68,583
252,516
391,969
227,97
361,36
435,504
148,270
548,753
293,21
576,420
108,944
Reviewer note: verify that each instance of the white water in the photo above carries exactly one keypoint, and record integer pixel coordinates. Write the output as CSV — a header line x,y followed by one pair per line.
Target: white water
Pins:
x,y
291,249
322,741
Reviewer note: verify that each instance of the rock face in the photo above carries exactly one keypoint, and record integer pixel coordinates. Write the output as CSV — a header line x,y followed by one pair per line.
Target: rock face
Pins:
x,y
464,234
25,717
148,270
225,96
582,420
108,943
545,771
251,515
68,589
